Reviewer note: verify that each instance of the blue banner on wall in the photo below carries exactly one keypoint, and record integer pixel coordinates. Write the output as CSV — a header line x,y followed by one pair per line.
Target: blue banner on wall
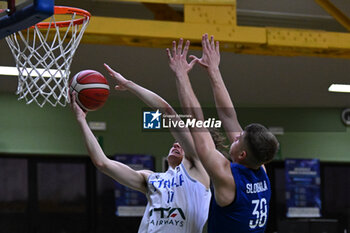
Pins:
x,y
303,188
130,202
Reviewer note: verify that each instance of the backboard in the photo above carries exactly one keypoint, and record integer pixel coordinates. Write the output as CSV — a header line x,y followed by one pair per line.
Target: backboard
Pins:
x,y
17,15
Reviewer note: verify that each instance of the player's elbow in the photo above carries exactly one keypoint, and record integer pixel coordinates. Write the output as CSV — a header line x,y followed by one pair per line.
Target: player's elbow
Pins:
x,y
100,165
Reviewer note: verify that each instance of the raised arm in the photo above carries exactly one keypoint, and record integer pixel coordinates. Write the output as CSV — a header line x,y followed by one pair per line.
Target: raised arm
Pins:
x,y
182,135
226,111
118,171
217,166
210,60
179,65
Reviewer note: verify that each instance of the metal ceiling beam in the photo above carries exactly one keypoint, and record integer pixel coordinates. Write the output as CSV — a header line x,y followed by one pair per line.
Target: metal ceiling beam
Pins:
x,y
164,12
220,21
335,12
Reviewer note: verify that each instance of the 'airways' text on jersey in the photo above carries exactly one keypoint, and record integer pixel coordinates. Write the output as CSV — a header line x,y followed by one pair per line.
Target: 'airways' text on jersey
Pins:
x,y
176,181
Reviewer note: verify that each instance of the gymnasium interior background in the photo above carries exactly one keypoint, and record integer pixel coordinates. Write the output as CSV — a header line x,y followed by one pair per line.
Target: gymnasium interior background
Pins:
x,y
43,160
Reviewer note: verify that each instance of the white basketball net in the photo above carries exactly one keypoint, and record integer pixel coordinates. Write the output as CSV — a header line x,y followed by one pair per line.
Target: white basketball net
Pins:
x,y
43,58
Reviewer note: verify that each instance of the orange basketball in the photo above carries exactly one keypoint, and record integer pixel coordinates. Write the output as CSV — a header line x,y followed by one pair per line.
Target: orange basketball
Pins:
x,y
91,89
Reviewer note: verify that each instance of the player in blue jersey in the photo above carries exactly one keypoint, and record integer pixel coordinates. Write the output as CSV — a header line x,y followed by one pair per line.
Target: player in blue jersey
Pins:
x,y
241,188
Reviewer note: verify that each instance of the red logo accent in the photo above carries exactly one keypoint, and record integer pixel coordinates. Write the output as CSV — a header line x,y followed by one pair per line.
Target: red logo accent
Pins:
x,y
173,215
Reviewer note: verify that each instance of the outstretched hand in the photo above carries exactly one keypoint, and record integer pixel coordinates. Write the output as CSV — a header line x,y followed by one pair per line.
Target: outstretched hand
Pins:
x,y
211,53
178,57
121,81
79,113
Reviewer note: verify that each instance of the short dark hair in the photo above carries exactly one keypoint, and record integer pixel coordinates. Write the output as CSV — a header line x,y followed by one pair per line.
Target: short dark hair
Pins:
x,y
261,143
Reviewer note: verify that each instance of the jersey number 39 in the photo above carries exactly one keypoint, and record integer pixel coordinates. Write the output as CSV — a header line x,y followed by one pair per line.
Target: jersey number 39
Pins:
x,y
259,213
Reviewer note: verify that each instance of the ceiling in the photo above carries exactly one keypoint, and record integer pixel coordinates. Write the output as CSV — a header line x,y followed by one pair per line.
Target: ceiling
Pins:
x,y
252,80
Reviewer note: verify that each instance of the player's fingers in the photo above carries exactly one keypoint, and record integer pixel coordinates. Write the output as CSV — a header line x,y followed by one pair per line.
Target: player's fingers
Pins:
x,y
168,53
217,47
187,45
197,60
194,60
73,100
107,67
212,45
179,47
193,57
174,48
69,97
72,97
111,72
204,45
204,42
74,105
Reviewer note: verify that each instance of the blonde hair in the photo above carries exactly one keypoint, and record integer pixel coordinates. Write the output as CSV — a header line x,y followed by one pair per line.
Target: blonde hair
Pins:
x,y
220,142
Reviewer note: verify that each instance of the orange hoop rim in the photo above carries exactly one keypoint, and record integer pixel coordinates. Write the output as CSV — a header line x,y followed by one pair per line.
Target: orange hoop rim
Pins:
x,y
62,10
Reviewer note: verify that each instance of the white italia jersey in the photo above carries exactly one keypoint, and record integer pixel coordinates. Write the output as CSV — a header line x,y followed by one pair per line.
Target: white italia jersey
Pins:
x,y
176,203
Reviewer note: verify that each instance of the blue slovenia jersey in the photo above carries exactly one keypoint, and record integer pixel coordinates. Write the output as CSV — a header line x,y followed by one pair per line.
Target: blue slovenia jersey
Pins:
x,y
248,212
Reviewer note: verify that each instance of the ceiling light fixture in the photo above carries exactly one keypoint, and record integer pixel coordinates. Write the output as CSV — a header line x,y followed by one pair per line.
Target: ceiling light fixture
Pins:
x,y
339,88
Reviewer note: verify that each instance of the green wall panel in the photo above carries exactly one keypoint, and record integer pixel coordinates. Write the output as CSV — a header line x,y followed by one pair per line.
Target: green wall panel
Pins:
x,y
29,129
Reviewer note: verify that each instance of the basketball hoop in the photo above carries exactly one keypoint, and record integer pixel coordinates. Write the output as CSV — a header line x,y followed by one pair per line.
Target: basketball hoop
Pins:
x,y
44,53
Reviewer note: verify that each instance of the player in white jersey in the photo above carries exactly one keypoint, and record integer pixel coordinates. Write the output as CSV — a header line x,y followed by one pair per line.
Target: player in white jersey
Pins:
x,y
177,203
178,199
